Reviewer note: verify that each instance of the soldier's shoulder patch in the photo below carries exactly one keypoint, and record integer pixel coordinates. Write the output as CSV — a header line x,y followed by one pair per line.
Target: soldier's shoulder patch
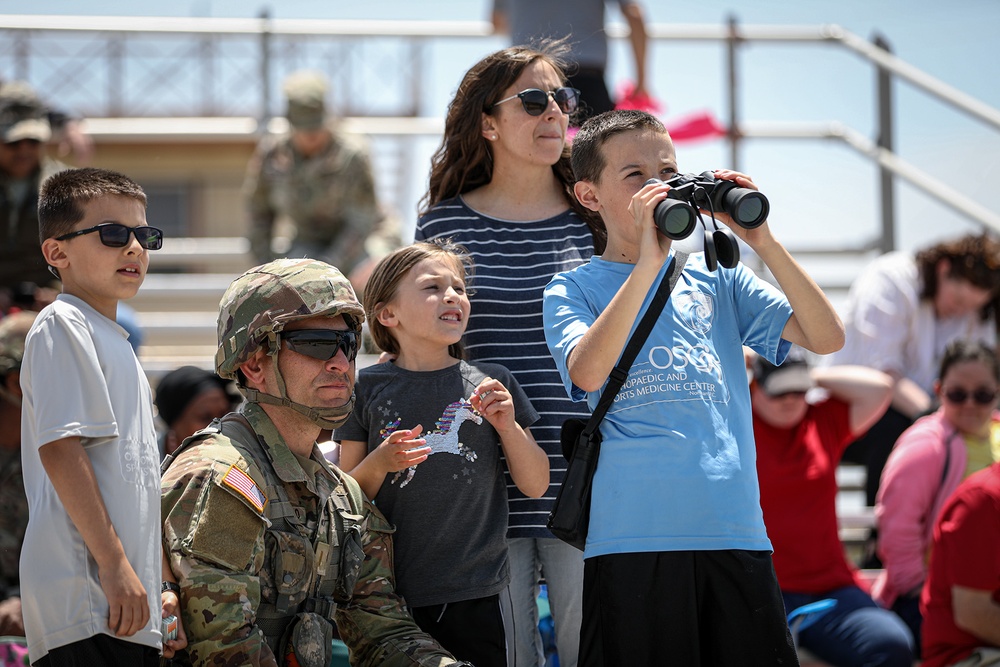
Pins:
x,y
243,485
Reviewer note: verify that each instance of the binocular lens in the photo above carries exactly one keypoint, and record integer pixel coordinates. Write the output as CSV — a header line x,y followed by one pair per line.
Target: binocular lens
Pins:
x,y
748,207
674,219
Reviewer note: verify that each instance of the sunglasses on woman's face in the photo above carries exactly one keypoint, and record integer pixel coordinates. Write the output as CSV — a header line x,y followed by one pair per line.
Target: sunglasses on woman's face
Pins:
x,y
980,396
322,344
115,235
536,101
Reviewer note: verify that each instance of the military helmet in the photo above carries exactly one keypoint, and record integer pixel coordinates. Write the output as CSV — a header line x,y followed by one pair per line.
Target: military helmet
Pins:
x,y
260,303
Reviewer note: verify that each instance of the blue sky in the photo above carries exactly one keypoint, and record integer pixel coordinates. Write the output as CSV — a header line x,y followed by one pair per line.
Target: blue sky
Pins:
x,y
821,193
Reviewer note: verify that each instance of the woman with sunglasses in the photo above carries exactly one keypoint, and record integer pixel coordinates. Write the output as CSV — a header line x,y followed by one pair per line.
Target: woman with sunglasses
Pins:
x,y
501,185
926,465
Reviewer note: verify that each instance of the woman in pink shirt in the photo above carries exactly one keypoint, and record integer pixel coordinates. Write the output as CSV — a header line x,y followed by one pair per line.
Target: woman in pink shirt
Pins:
x,y
927,463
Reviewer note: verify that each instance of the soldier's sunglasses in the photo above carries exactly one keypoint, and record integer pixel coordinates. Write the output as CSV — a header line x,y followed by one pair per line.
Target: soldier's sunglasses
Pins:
x,y
536,101
115,235
322,344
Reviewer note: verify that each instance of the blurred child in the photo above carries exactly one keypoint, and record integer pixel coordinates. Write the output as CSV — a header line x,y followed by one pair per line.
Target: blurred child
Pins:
x,y
443,485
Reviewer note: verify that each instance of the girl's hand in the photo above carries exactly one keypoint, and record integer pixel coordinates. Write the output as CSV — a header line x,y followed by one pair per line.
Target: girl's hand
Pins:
x,y
492,400
402,449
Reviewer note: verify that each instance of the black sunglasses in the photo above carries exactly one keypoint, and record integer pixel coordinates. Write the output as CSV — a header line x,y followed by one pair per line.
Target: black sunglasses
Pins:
x,y
322,344
115,235
536,101
980,396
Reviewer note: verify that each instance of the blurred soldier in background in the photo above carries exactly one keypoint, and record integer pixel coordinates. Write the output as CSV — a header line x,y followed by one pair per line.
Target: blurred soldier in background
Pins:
x,y
24,129
319,181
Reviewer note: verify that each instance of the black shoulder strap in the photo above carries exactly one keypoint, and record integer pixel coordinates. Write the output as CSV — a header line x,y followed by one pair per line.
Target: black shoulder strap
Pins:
x,y
637,340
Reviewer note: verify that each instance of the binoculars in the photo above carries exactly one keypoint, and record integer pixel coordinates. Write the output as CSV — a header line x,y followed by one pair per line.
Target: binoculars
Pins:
x,y
675,217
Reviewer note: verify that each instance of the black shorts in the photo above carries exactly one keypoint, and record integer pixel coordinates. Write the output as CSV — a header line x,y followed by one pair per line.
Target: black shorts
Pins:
x,y
476,631
594,97
101,651
687,608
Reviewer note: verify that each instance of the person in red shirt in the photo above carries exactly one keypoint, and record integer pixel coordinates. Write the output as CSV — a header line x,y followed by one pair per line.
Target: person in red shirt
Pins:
x,y
961,597
799,444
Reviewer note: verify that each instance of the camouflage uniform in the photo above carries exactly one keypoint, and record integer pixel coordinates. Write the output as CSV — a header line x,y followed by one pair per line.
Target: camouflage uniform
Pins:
x,y
265,543
329,198
13,521
13,501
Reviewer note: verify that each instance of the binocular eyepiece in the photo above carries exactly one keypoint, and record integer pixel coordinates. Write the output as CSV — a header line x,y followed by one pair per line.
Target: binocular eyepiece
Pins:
x,y
676,215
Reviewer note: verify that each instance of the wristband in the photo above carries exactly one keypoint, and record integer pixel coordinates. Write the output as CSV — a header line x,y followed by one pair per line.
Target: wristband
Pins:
x,y
170,586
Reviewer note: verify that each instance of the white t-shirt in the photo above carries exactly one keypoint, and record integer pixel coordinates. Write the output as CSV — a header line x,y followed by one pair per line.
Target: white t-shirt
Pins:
x,y
890,328
81,378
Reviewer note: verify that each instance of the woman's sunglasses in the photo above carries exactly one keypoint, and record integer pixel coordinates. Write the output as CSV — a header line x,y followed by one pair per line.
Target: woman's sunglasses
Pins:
x,y
980,396
536,101
115,235
322,344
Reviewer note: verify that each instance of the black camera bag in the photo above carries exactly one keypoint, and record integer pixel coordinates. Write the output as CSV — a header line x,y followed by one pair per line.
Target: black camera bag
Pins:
x,y
581,440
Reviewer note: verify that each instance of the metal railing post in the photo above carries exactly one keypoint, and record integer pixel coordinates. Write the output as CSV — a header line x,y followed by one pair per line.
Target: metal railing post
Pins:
x,y
22,55
265,70
732,40
885,140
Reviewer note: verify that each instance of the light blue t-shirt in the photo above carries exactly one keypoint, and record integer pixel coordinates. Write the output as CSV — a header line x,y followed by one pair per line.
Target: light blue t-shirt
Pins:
x,y
677,469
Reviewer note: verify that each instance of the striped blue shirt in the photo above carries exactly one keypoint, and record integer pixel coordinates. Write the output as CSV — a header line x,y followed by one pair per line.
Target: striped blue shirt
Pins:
x,y
514,262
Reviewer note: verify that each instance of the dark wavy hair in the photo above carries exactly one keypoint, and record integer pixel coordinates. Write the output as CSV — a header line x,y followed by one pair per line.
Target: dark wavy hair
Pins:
x,y
962,350
974,257
463,161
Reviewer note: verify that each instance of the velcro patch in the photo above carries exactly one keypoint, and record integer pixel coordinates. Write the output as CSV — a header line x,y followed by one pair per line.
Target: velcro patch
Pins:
x,y
243,484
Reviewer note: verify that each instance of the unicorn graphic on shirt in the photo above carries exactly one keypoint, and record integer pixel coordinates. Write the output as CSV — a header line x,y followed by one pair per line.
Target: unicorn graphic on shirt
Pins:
x,y
444,438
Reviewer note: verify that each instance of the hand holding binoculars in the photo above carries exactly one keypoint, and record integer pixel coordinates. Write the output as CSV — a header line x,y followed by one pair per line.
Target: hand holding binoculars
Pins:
x,y
676,216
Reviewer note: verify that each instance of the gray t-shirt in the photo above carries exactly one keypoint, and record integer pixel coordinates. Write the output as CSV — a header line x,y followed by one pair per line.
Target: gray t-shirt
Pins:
x,y
583,20
80,378
450,511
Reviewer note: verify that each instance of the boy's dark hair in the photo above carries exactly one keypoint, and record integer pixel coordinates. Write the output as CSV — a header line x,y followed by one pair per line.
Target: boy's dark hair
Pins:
x,y
383,285
62,195
588,155
974,257
961,350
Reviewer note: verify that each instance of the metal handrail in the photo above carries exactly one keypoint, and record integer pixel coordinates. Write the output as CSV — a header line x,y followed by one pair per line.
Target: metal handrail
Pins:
x,y
731,34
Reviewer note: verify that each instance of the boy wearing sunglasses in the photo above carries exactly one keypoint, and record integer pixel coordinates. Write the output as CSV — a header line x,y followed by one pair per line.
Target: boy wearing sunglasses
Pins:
x,y
90,564
677,544
275,549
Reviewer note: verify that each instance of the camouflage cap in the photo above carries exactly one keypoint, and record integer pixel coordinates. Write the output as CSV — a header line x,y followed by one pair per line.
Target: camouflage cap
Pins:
x,y
305,92
13,331
262,301
22,114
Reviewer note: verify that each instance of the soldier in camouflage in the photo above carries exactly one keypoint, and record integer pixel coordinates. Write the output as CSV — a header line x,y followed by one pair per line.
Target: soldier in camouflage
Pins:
x,y
13,502
273,547
24,129
319,181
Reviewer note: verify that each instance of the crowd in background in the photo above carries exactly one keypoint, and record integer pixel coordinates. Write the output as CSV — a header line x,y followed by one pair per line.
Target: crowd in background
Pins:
x,y
551,268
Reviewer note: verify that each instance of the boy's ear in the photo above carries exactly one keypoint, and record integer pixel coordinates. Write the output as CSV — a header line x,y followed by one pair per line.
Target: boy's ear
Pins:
x,y
54,253
488,127
386,315
587,195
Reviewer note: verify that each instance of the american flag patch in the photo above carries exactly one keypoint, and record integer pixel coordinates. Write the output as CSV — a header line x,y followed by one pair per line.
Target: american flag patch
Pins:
x,y
241,482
